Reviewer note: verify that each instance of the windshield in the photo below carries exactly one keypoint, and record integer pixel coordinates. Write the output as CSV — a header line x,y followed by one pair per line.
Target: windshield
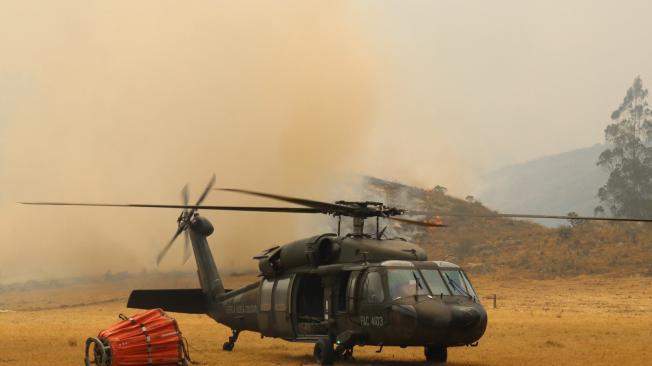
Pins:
x,y
405,282
435,282
458,283
469,288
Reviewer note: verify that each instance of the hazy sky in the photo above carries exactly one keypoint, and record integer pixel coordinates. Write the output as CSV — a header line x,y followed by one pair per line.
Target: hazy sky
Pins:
x,y
507,81
127,101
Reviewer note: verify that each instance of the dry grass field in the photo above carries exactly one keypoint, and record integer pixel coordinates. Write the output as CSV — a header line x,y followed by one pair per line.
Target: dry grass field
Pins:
x,y
580,321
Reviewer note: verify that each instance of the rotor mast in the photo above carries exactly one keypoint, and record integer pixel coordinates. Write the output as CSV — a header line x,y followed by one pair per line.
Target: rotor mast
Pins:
x,y
362,211
358,226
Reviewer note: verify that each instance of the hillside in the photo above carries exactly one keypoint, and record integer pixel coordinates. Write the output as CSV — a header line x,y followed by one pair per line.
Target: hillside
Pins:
x,y
555,184
506,247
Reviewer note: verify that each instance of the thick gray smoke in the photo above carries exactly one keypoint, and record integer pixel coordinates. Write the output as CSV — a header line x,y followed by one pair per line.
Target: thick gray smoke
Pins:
x,y
105,103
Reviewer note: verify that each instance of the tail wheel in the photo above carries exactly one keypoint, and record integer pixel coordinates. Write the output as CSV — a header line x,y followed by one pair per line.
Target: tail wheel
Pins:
x,y
436,353
324,353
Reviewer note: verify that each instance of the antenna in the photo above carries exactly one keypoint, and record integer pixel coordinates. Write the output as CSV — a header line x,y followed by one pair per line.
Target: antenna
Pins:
x,y
339,225
377,228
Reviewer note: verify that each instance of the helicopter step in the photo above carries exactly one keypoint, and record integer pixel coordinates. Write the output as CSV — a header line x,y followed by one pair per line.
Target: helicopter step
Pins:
x,y
324,353
228,345
344,344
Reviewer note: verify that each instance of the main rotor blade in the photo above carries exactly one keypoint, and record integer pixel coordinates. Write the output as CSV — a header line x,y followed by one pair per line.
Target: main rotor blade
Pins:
x,y
215,208
528,216
324,207
419,223
167,247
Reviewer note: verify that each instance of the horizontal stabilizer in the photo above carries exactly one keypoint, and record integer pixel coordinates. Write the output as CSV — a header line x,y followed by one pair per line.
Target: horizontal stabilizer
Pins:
x,y
189,301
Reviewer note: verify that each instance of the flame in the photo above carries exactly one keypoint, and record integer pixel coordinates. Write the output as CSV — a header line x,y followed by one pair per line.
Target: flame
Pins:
x,y
435,221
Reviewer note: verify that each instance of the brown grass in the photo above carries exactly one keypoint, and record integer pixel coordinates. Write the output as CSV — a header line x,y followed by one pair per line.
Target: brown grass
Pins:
x,y
586,320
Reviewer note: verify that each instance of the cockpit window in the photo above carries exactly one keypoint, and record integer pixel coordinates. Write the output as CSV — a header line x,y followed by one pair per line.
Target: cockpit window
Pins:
x,y
469,288
405,282
458,283
435,282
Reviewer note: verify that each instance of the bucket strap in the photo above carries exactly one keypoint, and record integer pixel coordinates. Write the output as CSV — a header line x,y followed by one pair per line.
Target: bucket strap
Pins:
x,y
148,339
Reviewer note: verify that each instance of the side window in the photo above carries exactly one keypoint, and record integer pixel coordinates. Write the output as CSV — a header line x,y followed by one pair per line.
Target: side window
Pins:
x,y
266,295
372,288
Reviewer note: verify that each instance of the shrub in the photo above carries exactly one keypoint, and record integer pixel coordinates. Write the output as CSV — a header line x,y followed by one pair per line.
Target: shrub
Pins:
x,y
565,232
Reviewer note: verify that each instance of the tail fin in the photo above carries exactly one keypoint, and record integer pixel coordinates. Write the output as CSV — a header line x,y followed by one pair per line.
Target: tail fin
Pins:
x,y
209,277
189,301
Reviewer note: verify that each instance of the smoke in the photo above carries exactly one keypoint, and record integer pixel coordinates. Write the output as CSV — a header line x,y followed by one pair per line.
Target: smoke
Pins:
x,y
126,102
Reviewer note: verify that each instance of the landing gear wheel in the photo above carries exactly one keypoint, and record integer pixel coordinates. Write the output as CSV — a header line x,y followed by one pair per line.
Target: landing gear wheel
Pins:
x,y
324,353
436,353
344,354
228,346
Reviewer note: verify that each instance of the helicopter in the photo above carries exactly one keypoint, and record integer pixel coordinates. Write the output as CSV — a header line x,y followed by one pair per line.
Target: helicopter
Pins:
x,y
335,290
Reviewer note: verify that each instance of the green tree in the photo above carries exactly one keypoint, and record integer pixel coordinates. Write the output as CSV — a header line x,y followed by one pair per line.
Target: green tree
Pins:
x,y
565,232
440,189
598,211
574,223
628,191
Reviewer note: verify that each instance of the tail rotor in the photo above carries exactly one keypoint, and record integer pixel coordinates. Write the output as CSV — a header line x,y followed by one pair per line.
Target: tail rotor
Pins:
x,y
184,221
186,239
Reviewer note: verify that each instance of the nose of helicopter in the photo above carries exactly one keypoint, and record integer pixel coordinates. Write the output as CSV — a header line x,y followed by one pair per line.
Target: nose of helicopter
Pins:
x,y
468,321
452,324
463,317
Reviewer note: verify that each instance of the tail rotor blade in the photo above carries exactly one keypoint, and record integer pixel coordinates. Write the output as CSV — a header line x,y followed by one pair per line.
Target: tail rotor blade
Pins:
x,y
165,249
208,188
186,247
184,195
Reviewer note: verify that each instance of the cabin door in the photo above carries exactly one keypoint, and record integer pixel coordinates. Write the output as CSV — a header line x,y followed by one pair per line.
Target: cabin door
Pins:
x,y
265,317
274,317
282,309
373,309
309,307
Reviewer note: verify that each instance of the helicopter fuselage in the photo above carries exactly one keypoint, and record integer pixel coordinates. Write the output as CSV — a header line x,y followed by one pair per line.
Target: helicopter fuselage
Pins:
x,y
362,302
339,292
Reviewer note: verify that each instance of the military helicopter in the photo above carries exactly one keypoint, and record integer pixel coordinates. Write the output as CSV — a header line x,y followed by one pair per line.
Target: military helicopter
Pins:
x,y
336,291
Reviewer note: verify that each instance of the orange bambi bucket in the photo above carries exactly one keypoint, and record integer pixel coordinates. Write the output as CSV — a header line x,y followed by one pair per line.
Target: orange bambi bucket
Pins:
x,y
147,338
